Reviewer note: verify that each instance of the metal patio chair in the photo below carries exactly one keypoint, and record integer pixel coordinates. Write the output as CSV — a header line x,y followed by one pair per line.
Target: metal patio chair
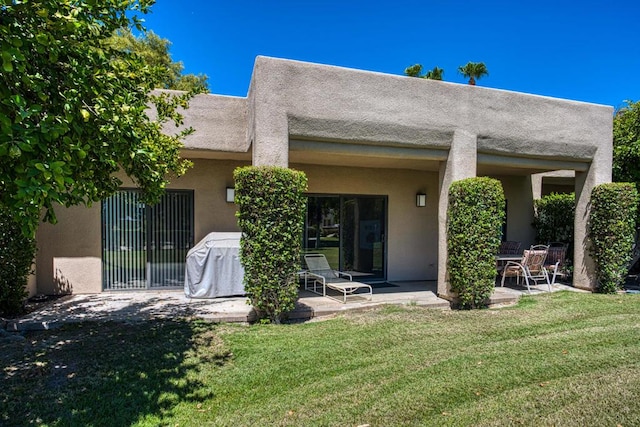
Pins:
x,y
556,258
322,275
509,247
531,267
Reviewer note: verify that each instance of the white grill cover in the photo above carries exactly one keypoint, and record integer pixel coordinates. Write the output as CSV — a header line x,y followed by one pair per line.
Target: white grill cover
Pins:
x,y
213,267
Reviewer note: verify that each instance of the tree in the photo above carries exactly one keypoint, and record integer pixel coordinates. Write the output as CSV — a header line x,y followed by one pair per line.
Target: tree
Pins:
x,y
413,70
74,111
435,74
155,52
73,108
473,71
626,144
416,71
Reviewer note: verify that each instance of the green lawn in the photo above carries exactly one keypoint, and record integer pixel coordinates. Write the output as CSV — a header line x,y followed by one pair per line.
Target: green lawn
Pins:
x,y
562,359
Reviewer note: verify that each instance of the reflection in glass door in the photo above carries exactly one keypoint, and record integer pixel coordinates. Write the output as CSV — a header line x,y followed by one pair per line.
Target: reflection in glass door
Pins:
x,y
350,232
322,228
363,234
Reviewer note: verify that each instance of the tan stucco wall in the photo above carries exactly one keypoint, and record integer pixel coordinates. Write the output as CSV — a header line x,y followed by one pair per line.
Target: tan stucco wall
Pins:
x,y
318,102
412,232
32,285
68,258
69,252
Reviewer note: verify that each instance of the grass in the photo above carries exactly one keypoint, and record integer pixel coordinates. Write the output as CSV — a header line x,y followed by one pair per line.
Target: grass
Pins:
x,y
555,359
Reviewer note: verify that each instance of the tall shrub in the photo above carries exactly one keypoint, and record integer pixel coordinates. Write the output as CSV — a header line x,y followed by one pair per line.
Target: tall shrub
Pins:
x,y
16,259
612,232
271,207
554,216
474,226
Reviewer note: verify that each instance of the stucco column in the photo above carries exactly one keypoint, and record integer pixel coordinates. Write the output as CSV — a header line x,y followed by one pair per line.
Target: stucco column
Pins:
x,y
268,129
599,172
536,185
461,163
270,145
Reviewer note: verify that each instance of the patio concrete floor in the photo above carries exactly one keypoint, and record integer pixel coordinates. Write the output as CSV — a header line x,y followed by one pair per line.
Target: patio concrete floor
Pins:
x,y
138,306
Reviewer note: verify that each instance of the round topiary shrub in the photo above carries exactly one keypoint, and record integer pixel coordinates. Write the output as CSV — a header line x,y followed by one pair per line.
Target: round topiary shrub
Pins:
x,y
474,227
271,208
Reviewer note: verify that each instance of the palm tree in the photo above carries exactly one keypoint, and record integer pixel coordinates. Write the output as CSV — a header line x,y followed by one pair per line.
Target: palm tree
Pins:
x,y
435,74
416,70
413,70
473,71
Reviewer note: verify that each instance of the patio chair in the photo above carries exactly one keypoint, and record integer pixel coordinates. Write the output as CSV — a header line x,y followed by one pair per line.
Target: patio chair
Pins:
x,y
506,248
531,267
556,257
320,273
509,248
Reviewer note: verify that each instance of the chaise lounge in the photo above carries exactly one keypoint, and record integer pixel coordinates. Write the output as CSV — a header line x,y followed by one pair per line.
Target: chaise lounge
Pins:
x,y
320,274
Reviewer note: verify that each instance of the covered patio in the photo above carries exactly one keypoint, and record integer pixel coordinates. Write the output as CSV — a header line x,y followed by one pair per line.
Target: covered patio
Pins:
x,y
172,304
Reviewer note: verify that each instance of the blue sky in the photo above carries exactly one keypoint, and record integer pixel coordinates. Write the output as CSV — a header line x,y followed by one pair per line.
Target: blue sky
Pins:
x,y
585,50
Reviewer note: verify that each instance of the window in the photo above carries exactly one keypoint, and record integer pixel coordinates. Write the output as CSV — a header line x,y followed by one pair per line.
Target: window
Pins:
x,y
145,246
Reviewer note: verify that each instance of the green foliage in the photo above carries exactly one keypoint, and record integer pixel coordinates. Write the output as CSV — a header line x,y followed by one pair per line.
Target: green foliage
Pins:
x,y
271,208
626,144
554,216
154,50
434,74
474,223
612,231
416,71
473,71
16,258
73,108
413,70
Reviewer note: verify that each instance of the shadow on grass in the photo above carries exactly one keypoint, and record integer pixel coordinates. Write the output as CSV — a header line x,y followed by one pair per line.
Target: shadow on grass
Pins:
x,y
106,373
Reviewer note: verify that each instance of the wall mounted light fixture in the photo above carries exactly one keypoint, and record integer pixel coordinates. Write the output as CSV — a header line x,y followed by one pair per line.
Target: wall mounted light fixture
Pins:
x,y
231,194
421,200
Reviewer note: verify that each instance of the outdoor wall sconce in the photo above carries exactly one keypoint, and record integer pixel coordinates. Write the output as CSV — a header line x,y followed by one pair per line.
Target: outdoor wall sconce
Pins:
x,y
421,200
231,194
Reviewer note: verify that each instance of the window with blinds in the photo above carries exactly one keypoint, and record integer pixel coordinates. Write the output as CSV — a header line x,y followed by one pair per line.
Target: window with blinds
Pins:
x,y
144,247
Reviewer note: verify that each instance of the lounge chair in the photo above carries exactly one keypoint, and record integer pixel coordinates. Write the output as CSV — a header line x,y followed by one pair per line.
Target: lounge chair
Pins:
x,y
320,274
531,267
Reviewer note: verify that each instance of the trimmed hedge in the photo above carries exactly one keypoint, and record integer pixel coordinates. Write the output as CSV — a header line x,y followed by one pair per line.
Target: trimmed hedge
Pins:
x,y
474,228
612,226
554,217
271,208
16,258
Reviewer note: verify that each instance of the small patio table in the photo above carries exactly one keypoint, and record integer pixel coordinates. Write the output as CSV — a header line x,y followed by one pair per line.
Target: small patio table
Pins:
x,y
508,257
502,259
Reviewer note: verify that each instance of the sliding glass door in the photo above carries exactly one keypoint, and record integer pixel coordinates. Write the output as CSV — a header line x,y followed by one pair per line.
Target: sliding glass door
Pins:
x,y
143,246
350,231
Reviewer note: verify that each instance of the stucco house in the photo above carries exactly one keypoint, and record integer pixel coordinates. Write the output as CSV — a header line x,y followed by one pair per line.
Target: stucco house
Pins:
x,y
370,144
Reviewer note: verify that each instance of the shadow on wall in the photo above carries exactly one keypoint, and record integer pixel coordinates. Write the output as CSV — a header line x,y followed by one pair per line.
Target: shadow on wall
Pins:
x,y
61,285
